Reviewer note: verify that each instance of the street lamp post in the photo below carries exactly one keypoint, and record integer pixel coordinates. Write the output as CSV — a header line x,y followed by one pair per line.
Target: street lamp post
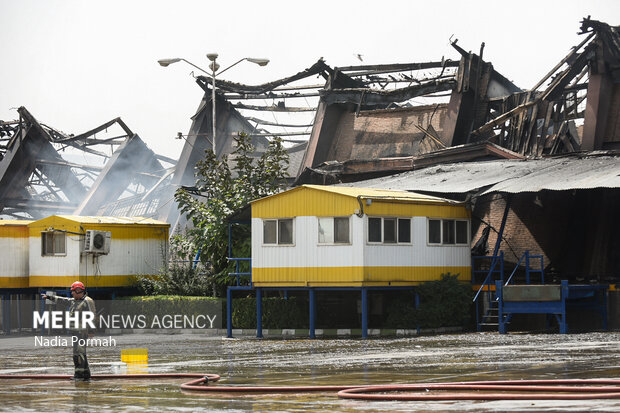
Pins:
x,y
214,67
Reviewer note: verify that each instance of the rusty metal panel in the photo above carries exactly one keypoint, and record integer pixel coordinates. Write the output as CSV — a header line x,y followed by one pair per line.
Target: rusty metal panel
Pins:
x,y
532,293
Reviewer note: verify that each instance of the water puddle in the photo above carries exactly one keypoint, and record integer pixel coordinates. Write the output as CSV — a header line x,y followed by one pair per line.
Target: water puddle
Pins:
x,y
455,357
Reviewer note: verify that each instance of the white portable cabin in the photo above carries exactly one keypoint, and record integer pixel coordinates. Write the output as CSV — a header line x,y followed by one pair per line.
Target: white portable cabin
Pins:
x,y
332,236
99,251
14,253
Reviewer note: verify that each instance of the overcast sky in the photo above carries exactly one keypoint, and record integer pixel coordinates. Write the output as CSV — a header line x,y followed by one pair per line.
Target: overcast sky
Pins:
x,y
77,64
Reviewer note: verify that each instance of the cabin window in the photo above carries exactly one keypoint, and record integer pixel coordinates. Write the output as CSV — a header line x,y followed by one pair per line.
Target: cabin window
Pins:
x,y
389,230
53,243
334,230
404,230
434,231
278,231
448,236
448,232
285,231
374,229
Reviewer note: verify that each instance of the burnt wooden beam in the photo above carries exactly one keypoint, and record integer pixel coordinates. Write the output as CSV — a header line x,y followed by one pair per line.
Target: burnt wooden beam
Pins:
x,y
566,59
562,80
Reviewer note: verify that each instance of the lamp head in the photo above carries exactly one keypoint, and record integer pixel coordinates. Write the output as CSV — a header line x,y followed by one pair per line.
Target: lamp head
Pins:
x,y
260,62
212,56
167,62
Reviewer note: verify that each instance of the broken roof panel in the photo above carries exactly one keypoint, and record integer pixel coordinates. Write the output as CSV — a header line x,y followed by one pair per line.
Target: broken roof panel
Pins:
x,y
513,176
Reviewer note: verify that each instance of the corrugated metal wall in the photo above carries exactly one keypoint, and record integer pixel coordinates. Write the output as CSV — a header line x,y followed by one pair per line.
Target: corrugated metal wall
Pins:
x,y
14,254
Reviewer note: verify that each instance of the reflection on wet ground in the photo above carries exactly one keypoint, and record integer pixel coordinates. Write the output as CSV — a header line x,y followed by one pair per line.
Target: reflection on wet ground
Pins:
x,y
459,357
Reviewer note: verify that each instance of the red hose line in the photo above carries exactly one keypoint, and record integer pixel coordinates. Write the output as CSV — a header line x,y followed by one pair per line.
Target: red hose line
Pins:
x,y
525,390
563,389
210,377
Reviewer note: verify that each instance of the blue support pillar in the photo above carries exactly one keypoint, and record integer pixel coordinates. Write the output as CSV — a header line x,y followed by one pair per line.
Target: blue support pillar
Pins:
x,y
604,308
312,299
6,314
364,312
527,267
501,320
259,313
562,318
228,312
41,310
417,305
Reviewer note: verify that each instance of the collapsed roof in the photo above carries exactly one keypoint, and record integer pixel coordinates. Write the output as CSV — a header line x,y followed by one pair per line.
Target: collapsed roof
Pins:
x,y
37,181
355,123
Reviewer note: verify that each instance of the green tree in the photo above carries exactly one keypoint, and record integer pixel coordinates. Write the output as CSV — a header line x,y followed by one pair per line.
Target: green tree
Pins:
x,y
223,190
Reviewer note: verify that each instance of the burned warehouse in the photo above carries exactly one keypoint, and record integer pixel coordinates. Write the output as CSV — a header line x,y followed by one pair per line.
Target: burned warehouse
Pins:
x,y
537,168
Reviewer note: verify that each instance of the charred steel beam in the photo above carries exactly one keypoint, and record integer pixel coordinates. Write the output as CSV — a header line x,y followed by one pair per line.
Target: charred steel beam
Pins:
x,y
273,108
280,134
39,147
30,204
286,125
117,140
98,129
68,164
318,68
301,87
381,97
166,159
384,81
399,67
129,160
269,95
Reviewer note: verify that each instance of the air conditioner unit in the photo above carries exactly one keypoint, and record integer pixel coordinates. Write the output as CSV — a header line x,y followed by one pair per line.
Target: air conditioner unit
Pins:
x,y
97,242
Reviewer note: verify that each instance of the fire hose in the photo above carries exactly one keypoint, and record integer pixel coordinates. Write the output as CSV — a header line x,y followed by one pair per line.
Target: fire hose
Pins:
x,y
569,389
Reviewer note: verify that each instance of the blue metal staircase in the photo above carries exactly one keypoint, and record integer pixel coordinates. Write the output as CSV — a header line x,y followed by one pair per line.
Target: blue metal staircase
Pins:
x,y
486,295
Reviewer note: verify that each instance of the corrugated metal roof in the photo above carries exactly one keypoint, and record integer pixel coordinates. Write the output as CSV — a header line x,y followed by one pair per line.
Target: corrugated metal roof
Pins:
x,y
112,220
378,193
15,222
514,176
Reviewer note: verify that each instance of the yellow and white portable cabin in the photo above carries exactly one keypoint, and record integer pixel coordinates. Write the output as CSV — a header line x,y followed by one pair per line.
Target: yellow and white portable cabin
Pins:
x,y
99,251
330,236
14,253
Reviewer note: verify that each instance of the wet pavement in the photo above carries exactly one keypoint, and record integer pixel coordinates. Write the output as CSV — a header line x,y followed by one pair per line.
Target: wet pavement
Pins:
x,y
452,357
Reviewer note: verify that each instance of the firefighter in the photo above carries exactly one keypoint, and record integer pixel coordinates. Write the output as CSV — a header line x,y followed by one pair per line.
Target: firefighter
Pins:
x,y
79,303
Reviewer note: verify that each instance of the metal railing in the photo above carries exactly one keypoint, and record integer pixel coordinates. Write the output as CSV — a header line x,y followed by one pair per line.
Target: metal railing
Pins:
x,y
238,273
527,256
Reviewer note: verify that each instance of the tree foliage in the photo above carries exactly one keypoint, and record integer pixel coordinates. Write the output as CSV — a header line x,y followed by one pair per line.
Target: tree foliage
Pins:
x,y
223,190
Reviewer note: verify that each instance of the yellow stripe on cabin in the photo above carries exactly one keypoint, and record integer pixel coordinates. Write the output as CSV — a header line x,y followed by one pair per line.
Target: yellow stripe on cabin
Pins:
x,y
353,276
90,281
13,282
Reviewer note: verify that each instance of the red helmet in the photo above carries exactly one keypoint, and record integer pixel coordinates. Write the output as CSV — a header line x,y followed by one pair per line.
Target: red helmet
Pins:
x,y
76,285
